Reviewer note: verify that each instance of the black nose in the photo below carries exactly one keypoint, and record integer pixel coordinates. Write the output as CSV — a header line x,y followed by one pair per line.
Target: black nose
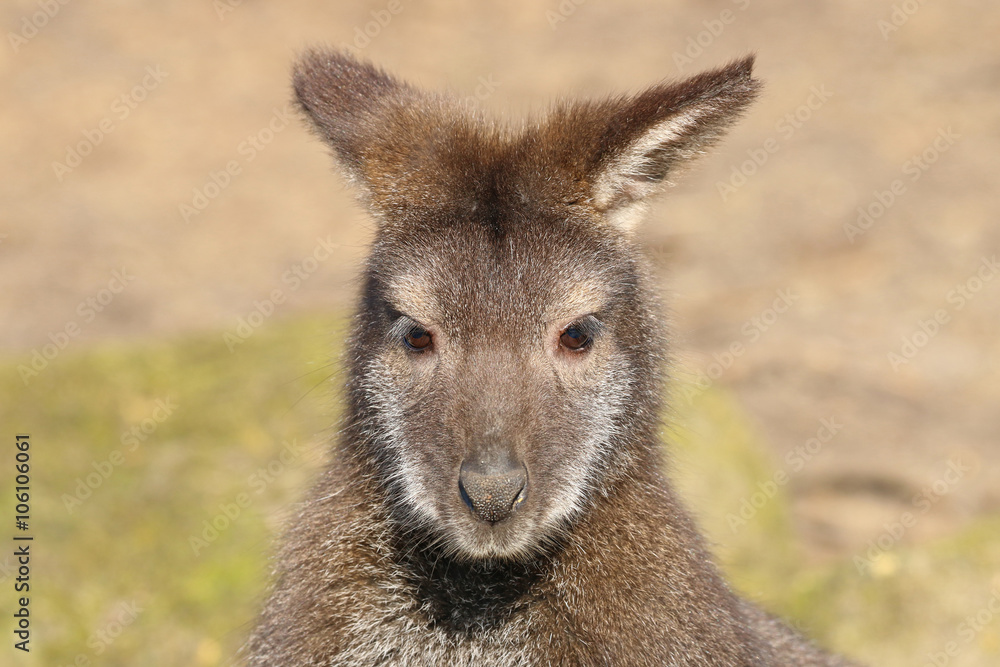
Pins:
x,y
492,489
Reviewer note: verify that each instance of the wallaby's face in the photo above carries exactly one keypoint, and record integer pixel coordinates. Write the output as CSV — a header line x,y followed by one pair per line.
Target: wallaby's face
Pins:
x,y
507,353
500,359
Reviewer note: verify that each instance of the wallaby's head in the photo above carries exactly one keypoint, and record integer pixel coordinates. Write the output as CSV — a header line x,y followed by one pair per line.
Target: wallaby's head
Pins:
x,y
505,362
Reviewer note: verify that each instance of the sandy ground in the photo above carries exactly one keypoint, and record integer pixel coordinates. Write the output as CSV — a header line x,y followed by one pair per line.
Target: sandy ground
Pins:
x,y
850,218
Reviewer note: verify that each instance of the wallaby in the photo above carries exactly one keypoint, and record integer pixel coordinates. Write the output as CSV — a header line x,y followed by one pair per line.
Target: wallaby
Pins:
x,y
497,496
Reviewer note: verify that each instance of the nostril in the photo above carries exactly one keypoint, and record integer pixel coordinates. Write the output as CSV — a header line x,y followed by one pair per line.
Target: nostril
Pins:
x,y
465,496
492,492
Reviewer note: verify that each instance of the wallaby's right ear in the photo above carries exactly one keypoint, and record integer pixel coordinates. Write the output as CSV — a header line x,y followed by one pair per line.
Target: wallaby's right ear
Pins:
x,y
628,148
348,102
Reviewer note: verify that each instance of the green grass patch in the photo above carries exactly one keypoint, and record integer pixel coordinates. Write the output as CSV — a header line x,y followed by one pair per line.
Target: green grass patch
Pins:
x,y
914,606
159,473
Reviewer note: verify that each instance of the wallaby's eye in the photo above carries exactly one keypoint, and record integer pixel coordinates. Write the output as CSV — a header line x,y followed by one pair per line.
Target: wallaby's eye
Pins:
x,y
579,336
575,339
417,339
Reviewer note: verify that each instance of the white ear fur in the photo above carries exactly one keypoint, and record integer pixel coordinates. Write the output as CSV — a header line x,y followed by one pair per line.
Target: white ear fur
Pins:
x,y
640,170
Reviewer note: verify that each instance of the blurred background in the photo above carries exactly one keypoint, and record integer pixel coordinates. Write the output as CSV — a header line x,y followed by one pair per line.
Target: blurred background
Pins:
x,y
178,259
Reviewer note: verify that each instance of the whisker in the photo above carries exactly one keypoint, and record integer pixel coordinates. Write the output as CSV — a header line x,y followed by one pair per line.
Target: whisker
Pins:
x,y
328,377
315,370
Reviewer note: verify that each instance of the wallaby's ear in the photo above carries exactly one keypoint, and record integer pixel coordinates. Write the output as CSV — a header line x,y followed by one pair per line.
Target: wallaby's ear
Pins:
x,y
637,142
349,103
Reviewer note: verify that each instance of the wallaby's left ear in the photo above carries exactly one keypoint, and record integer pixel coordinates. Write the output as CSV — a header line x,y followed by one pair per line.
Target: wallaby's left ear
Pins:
x,y
355,107
645,137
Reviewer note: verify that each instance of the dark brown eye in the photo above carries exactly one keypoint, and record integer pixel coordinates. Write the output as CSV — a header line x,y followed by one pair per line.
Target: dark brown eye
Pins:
x,y
574,339
417,339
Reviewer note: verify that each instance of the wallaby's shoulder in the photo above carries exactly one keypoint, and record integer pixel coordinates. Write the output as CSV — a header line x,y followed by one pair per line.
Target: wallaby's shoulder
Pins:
x,y
375,598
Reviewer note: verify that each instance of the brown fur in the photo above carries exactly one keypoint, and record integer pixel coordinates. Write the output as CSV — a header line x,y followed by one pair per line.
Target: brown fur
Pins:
x,y
496,242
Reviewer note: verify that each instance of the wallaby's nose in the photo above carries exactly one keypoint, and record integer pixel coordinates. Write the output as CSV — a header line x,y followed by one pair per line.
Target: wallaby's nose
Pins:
x,y
492,489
